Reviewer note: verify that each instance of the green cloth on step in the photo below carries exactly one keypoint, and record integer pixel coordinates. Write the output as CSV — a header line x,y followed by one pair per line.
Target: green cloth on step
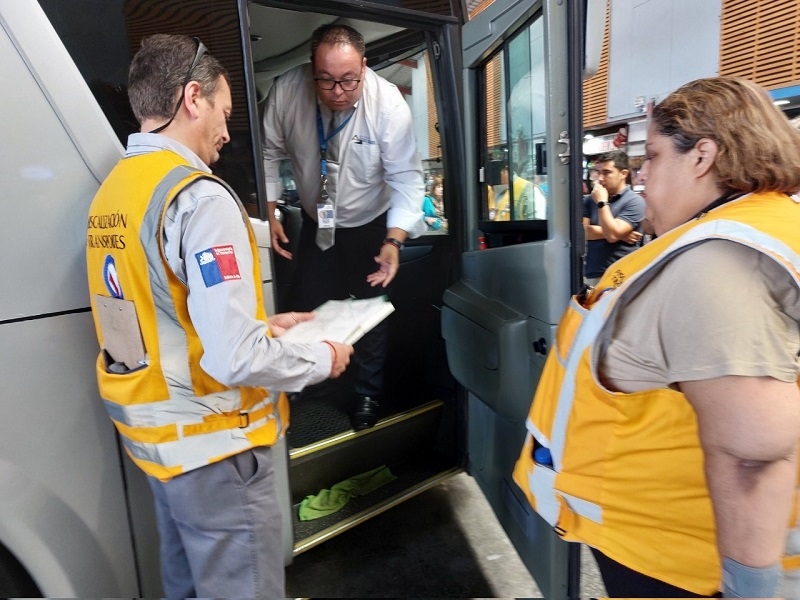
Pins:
x,y
329,501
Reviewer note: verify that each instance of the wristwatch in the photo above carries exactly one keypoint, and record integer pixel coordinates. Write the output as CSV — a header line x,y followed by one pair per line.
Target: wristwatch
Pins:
x,y
394,242
601,204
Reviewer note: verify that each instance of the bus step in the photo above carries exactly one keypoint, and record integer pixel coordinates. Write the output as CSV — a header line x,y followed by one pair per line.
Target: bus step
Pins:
x,y
413,477
393,441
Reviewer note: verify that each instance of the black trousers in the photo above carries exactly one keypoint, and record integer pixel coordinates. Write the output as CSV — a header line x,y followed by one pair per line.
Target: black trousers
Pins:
x,y
622,582
341,272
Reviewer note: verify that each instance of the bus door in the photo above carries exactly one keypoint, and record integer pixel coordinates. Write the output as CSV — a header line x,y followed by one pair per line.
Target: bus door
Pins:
x,y
520,265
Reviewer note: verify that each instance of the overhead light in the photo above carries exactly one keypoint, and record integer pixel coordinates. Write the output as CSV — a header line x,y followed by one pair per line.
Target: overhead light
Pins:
x,y
780,102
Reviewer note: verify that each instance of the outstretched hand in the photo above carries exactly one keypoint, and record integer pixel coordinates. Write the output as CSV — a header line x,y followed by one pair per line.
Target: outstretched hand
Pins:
x,y
278,236
388,263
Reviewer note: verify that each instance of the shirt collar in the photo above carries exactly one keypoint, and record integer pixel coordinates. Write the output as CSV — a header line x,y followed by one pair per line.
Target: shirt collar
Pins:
x,y
616,197
327,113
143,143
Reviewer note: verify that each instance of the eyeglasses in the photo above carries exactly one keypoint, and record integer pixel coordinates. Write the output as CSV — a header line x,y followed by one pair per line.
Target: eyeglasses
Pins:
x,y
201,50
347,85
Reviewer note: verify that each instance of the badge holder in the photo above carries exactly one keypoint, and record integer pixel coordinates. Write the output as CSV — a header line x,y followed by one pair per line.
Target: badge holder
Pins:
x,y
326,217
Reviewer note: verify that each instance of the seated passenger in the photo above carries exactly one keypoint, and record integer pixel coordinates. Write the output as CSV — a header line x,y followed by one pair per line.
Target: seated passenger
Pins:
x,y
433,207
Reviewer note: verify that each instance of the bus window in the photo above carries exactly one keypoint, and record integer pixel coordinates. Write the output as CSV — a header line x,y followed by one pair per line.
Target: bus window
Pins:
x,y
515,187
413,78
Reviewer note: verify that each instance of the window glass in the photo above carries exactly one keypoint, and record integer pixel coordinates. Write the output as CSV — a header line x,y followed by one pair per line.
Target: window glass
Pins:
x,y
413,78
515,187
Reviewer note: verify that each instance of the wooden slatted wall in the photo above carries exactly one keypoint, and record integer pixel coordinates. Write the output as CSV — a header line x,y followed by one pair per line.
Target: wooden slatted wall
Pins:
x,y
760,40
595,89
494,100
479,8
434,141
215,22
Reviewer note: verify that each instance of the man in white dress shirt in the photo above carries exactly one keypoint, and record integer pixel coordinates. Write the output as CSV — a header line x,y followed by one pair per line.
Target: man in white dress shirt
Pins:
x,y
350,138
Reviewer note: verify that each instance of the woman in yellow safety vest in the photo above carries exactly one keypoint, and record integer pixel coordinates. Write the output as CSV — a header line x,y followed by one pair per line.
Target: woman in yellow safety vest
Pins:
x,y
664,431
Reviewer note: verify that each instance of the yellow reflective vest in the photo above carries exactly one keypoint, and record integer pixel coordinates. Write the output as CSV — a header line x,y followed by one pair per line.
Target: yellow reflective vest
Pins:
x,y
171,415
626,470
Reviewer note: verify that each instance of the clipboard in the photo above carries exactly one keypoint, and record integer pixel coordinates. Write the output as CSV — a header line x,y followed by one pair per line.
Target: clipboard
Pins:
x,y
119,327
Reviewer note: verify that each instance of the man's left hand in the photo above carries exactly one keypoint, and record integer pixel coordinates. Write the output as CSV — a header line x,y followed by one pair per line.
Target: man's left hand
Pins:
x,y
388,262
634,237
278,324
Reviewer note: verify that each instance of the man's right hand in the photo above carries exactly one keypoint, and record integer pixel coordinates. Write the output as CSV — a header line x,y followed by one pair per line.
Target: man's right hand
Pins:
x,y
278,238
599,193
340,357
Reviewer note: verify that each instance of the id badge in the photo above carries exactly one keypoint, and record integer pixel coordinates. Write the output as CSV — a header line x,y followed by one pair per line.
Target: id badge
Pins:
x,y
325,218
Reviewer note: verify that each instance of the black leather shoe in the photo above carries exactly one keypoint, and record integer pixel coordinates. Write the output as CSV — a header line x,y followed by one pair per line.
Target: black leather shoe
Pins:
x,y
366,414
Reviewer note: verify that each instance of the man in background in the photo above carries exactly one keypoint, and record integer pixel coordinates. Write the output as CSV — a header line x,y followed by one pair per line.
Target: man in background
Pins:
x,y
350,138
612,214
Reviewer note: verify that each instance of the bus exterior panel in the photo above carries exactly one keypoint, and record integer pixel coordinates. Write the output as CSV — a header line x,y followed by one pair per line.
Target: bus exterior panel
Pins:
x,y
63,508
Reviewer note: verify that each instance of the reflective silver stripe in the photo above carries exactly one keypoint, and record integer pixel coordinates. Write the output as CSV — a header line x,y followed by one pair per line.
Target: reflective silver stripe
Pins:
x,y
192,411
196,450
275,398
542,484
534,431
584,508
151,235
749,236
174,364
181,402
590,326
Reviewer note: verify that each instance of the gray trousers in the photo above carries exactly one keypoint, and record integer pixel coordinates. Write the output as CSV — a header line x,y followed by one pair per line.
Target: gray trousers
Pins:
x,y
220,530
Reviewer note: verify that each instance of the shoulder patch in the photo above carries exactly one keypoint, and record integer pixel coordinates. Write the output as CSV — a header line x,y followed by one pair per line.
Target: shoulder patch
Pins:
x,y
218,264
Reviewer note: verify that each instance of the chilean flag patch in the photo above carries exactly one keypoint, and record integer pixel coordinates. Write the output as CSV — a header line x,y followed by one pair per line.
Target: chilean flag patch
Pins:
x,y
218,264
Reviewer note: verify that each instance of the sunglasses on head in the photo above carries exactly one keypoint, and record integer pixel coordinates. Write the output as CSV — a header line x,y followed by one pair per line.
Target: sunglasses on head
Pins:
x,y
201,50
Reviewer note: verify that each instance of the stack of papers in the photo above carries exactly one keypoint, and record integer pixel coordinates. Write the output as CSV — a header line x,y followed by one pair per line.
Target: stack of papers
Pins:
x,y
344,321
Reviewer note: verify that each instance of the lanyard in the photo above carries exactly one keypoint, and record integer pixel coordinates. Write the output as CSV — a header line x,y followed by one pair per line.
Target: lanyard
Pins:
x,y
323,142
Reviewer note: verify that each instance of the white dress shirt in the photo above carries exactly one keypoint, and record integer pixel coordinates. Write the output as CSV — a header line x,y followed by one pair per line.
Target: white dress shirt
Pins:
x,y
379,167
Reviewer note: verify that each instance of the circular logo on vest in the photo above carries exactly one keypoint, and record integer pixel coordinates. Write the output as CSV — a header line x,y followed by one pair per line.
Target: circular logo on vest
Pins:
x,y
111,278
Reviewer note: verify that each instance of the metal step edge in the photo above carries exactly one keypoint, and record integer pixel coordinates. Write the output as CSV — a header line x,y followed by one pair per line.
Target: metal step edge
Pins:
x,y
318,538
296,453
